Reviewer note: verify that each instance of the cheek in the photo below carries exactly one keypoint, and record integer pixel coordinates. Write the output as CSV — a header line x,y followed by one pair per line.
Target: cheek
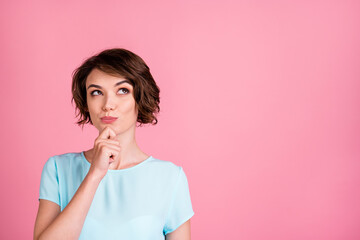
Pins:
x,y
128,107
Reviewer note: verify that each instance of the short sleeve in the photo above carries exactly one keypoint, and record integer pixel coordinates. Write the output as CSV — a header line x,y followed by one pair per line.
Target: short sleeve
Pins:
x,y
180,207
49,183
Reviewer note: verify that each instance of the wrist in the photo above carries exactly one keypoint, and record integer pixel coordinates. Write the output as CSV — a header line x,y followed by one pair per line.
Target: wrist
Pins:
x,y
93,176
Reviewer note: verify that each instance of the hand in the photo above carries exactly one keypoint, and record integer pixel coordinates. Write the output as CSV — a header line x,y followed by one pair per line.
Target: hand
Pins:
x,y
106,150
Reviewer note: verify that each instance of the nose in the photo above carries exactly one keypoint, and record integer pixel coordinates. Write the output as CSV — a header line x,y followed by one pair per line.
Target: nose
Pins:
x,y
109,104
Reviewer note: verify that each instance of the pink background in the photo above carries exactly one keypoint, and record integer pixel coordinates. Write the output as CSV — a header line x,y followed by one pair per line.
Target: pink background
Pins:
x,y
259,104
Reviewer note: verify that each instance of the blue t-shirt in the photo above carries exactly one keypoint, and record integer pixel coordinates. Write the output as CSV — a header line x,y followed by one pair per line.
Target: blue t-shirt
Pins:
x,y
146,201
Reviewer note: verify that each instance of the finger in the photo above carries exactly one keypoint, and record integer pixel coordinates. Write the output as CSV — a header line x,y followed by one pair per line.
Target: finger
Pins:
x,y
107,141
107,133
103,146
112,153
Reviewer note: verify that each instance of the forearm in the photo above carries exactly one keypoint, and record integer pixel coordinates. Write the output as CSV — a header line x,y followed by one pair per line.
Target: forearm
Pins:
x,y
68,224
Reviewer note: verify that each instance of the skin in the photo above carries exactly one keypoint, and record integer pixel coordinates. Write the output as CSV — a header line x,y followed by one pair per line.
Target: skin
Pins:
x,y
116,139
116,102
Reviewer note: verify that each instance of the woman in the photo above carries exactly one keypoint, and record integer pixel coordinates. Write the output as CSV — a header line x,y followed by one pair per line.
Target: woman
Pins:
x,y
113,190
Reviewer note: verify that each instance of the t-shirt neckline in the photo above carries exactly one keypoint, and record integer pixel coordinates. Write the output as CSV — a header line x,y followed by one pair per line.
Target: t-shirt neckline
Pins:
x,y
117,170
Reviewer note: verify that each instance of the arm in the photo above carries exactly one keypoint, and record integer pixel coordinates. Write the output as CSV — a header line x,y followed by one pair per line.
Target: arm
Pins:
x,y
181,233
53,224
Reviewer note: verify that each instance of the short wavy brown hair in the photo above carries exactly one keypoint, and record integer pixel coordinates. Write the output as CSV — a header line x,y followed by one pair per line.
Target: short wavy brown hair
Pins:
x,y
128,65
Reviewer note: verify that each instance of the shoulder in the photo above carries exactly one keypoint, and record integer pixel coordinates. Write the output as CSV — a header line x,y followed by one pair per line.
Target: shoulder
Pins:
x,y
66,156
64,160
165,168
156,162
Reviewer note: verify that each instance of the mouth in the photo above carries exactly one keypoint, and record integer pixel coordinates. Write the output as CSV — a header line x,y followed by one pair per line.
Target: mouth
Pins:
x,y
108,119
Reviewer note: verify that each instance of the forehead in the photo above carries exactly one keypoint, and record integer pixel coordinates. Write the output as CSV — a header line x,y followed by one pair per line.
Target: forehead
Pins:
x,y
99,77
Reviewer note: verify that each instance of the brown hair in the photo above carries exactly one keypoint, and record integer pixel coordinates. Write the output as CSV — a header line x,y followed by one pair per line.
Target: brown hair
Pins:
x,y
121,62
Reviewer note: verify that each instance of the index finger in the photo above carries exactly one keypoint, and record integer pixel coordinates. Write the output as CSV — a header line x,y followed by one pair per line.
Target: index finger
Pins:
x,y
107,133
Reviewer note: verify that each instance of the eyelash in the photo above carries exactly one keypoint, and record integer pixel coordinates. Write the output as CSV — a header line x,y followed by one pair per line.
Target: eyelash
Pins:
x,y
127,91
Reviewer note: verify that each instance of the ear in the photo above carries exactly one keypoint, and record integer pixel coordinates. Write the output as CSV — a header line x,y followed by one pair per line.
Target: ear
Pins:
x,y
137,109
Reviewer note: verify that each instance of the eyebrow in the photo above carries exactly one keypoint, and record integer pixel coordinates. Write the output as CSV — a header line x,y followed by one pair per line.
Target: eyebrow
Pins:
x,y
116,84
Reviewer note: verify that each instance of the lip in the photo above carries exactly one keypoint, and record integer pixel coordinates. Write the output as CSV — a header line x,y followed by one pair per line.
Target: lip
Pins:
x,y
108,119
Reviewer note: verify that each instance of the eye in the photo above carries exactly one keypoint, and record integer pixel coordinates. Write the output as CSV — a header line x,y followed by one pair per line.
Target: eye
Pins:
x,y
124,91
92,93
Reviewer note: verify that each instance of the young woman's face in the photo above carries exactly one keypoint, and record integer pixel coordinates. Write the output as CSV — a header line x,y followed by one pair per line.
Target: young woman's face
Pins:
x,y
112,96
